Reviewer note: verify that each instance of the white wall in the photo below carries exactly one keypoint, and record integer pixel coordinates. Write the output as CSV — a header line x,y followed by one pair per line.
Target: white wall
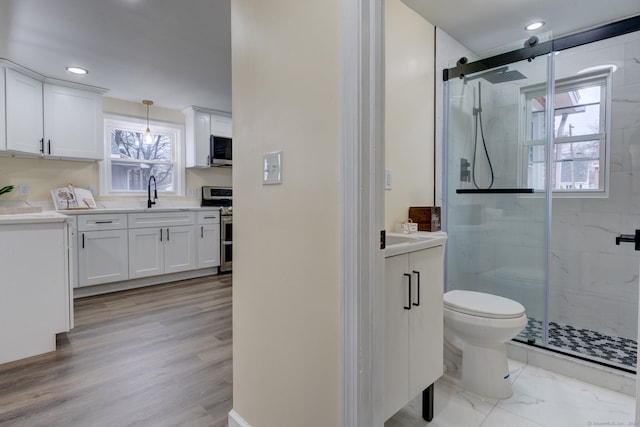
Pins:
x,y
409,110
286,299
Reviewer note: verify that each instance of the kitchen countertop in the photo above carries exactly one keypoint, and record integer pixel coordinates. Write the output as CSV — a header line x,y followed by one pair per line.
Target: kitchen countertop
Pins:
x,y
33,218
134,210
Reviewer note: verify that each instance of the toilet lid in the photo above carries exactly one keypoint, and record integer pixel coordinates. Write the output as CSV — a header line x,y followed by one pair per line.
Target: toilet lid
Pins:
x,y
483,305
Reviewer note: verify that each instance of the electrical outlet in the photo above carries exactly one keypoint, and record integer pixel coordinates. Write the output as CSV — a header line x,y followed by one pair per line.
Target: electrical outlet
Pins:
x,y
388,178
24,189
192,192
92,189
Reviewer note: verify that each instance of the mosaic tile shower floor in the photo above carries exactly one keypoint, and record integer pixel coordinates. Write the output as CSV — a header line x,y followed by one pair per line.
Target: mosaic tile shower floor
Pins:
x,y
613,350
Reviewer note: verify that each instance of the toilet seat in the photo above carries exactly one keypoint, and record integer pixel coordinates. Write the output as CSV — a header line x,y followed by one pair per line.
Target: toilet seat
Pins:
x,y
482,305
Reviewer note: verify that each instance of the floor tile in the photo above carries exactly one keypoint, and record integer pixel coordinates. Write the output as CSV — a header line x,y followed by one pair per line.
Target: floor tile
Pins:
x,y
555,400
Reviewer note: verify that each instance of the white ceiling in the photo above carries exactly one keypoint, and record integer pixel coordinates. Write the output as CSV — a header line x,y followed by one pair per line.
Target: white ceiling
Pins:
x,y
175,53
493,26
178,53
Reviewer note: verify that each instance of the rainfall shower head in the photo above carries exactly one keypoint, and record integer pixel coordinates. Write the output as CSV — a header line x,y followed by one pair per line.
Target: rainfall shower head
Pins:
x,y
499,75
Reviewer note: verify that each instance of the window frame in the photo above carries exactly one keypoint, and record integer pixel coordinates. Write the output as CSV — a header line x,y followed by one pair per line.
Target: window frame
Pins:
x,y
136,124
599,78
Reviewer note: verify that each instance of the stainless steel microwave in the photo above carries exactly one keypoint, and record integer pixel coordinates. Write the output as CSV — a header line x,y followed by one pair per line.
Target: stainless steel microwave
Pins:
x,y
220,151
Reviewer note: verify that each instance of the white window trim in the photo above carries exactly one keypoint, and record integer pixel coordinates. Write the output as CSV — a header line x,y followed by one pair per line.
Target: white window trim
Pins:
x,y
111,121
605,148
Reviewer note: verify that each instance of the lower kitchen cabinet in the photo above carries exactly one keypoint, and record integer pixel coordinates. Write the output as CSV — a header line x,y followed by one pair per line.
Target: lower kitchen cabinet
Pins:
x,y
414,325
159,250
208,225
102,257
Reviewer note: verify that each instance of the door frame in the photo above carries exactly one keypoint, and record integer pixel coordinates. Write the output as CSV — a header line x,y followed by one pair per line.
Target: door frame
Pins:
x,y
362,212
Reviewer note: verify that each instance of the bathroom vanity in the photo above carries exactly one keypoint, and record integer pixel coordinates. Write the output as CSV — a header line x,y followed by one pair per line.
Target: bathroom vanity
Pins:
x,y
413,319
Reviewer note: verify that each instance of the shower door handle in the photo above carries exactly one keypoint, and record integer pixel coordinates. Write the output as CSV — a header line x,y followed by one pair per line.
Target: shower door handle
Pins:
x,y
630,238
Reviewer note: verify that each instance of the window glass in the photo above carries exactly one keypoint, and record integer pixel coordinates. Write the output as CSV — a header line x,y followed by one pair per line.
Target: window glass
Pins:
x,y
133,158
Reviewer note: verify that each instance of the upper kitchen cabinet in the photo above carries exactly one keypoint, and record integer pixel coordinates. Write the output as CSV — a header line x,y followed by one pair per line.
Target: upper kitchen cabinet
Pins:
x,y
52,119
73,123
201,125
23,103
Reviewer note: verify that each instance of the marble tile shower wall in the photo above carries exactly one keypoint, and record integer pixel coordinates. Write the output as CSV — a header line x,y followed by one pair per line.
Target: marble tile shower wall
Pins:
x,y
593,282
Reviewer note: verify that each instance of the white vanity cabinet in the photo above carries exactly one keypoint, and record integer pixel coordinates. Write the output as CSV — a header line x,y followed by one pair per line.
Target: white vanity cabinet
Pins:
x,y
73,124
208,227
23,102
102,249
200,125
414,325
162,242
51,120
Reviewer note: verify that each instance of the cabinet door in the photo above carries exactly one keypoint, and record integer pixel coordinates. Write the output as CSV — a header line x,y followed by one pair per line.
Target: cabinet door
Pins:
x,y
209,245
24,113
179,249
197,133
103,257
73,123
221,125
425,320
146,252
396,372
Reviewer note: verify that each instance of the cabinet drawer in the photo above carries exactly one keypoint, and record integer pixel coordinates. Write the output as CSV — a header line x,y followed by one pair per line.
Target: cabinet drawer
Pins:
x,y
102,222
160,219
209,217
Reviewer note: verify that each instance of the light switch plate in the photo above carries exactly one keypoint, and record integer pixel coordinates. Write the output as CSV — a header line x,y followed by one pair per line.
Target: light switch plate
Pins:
x,y
388,177
272,168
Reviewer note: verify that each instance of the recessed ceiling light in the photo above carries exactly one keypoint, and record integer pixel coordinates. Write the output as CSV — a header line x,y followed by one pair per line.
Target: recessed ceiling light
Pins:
x,y
77,70
534,26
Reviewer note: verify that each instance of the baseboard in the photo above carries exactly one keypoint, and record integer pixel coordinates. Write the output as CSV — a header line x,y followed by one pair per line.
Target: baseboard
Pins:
x,y
87,291
236,420
591,373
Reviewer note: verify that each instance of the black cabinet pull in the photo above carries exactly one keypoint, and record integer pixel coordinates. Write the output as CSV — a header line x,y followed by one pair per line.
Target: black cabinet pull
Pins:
x,y
161,234
167,234
42,145
104,222
418,274
82,240
49,146
202,231
409,306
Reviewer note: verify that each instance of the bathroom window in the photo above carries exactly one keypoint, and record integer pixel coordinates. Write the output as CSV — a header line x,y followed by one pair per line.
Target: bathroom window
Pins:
x,y
130,159
579,155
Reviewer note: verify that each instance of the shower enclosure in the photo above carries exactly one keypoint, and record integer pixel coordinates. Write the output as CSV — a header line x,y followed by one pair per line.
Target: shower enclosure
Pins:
x,y
542,173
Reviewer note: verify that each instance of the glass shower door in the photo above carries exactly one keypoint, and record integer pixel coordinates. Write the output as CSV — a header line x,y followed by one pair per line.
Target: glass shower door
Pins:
x,y
496,207
593,284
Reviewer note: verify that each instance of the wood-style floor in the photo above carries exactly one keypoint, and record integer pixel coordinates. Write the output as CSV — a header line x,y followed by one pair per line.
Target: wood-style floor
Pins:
x,y
156,356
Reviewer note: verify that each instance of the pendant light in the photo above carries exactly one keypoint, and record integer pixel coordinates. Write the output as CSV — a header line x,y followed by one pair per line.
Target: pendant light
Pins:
x,y
148,139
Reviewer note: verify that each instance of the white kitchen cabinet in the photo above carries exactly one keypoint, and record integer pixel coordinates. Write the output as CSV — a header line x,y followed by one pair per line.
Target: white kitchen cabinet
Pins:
x,y
102,249
51,120
73,124
414,325
208,225
161,242
200,125
23,102
36,299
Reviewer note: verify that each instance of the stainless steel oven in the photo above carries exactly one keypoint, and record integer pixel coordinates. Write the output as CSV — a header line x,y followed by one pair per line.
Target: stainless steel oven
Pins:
x,y
222,197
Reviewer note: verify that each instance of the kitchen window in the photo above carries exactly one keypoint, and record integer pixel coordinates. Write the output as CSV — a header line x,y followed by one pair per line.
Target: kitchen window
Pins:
x,y
580,137
130,159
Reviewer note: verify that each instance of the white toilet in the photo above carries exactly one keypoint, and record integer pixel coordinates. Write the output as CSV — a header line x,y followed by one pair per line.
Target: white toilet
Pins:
x,y
476,326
